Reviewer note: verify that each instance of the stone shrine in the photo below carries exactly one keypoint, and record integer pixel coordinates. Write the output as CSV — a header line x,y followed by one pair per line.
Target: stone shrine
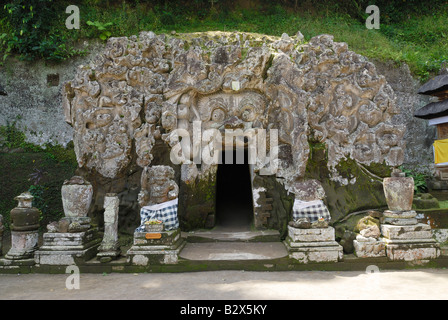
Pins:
x,y
171,130
24,229
152,100
72,239
158,200
310,238
405,238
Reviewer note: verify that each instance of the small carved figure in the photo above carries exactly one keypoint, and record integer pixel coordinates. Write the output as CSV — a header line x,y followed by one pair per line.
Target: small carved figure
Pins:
x,y
158,186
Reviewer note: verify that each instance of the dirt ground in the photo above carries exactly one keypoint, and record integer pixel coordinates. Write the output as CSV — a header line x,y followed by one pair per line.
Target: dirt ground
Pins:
x,y
230,285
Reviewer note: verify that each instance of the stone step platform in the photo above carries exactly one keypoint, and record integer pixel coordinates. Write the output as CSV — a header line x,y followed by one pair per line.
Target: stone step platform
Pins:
x,y
233,251
222,234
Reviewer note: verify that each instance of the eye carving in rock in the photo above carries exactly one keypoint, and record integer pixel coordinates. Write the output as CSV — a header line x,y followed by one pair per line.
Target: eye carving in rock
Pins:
x,y
248,111
218,115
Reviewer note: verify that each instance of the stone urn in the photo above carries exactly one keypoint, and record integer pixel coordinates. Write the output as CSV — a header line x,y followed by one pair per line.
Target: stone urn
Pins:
x,y
25,217
399,191
76,197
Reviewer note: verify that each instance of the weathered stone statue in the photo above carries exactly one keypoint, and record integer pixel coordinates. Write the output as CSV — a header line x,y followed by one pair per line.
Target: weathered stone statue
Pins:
x,y
157,239
406,239
157,186
158,197
309,210
310,238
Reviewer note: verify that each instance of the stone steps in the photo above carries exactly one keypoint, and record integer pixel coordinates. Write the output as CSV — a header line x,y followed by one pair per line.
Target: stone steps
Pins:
x,y
227,235
232,244
233,251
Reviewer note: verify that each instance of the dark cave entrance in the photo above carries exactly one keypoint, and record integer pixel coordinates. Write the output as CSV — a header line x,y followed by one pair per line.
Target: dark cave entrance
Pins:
x,y
234,204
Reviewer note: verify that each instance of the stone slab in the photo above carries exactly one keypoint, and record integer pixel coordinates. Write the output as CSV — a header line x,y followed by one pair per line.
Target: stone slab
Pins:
x,y
418,231
69,239
311,235
400,214
398,221
167,239
151,255
412,251
231,251
372,249
164,250
314,252
65,257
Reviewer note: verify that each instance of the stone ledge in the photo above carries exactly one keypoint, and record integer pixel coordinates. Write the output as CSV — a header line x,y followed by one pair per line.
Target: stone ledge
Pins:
x,y
418,231
311,235
310,252
371,249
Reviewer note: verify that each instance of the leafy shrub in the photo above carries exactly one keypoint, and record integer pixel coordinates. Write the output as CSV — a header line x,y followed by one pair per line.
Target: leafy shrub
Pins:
x,y
31,30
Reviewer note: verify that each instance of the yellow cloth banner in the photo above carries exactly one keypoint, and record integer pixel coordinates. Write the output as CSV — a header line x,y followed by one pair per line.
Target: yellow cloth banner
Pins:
x,y
441,151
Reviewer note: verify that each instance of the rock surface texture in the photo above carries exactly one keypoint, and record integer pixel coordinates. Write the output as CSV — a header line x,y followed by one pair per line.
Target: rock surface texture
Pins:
x,y
140,89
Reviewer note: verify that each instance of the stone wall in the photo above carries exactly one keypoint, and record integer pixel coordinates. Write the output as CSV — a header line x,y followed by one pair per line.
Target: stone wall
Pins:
x,y
419,136
34,96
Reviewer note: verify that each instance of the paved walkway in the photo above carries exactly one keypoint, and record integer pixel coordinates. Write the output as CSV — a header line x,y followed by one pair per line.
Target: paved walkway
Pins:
x,y
232,285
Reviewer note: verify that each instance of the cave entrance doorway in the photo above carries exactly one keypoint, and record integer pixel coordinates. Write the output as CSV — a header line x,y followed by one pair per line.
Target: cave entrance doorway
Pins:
x,y
234,199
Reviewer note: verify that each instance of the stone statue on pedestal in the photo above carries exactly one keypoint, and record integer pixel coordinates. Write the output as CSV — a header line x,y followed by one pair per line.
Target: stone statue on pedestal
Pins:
x,y
158,197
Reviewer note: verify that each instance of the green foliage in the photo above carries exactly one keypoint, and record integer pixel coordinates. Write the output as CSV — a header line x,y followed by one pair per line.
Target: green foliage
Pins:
x,y
37,191
104,34
12,138
411,31
28,28
41,170
419,180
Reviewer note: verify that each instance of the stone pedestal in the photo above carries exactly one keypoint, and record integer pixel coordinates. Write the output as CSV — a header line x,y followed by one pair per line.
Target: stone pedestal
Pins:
x,y
23,245
109,248
67,248
409,242
156,248
313,245
24,229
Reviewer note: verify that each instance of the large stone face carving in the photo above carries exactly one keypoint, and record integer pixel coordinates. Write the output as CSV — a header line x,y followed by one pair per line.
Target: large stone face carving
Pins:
x,y
140,89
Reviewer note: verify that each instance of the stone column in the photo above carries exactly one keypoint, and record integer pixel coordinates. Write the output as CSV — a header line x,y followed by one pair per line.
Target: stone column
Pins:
x,y
109,248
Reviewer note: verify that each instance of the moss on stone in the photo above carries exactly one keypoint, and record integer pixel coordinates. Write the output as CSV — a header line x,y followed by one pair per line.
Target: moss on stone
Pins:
x,y
361,191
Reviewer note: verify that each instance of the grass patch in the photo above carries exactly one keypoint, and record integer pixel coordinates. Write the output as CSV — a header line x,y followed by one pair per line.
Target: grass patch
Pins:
x,y
40,170
411,32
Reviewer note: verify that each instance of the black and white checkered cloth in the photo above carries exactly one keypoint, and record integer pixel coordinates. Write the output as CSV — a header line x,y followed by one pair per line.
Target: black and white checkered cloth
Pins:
x,y
165,212
313,210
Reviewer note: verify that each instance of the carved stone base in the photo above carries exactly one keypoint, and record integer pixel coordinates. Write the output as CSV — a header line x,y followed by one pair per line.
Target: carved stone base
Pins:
x,y
369,248
23,245
313,245
408,250
109,253
156,248
67,248
410,242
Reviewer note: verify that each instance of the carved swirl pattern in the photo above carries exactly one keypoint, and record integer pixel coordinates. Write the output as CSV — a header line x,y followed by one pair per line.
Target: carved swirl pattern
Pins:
x,y
141,88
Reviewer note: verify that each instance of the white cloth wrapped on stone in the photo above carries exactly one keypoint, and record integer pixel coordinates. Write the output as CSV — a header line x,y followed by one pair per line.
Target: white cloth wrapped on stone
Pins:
x,y
165,212
313,210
